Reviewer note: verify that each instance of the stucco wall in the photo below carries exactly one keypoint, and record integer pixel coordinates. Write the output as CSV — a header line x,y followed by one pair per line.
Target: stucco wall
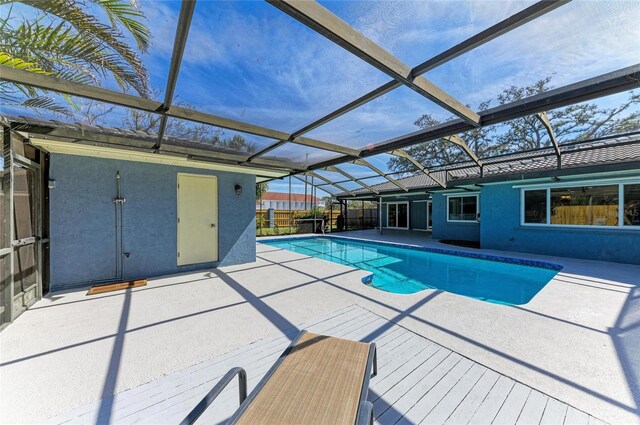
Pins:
x,y
82,219
418,215
442,229
501,229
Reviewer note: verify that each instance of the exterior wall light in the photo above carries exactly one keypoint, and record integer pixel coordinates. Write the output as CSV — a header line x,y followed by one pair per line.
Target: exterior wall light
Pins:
x,y
238,189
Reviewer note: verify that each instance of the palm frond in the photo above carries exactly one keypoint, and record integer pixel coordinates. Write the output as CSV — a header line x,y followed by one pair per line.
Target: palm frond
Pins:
x,y
10,97
9,60
108,37
46,103
66,54
127,14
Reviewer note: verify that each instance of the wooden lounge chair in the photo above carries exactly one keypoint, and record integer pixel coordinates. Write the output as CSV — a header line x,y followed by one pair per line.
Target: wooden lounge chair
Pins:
x,y
318,379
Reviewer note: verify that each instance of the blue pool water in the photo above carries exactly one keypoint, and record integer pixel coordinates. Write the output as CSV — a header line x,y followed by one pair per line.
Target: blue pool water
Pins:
x,y
406,270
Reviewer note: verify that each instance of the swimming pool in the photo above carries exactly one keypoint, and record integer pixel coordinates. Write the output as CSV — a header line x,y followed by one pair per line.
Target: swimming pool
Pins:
x,y
406,270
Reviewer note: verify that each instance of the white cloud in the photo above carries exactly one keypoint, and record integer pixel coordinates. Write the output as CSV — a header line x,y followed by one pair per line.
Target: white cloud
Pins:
x,y
417,30
577,41
249,61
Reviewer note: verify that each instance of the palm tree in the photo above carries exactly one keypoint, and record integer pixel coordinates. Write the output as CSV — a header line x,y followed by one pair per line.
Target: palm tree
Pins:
x,y
66,39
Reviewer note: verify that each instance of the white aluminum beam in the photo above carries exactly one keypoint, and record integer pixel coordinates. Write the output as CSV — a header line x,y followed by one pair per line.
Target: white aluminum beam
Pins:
x,y
456,140
321,20
317,186
305,141
180,41
512,22
319,177
403,154
377,170
335,169
48,82
544,119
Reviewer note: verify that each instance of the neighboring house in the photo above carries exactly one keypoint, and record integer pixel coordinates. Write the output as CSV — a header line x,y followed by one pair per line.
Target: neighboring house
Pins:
x,y
589,207
280,201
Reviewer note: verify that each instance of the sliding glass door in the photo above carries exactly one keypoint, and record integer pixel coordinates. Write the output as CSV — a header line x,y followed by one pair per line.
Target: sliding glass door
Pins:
x,y
398,215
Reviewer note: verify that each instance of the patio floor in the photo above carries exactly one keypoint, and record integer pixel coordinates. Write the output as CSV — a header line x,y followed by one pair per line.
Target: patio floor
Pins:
x,y
418,381
576,341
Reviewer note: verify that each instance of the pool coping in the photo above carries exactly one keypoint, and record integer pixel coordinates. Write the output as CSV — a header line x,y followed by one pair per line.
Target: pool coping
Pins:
x,y
488,257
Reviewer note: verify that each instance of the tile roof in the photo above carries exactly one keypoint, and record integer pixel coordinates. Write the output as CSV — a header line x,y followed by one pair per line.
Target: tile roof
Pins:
x,y
574,155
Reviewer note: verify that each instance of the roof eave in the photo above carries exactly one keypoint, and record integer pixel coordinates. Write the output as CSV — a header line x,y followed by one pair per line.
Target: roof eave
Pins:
x,y
550,173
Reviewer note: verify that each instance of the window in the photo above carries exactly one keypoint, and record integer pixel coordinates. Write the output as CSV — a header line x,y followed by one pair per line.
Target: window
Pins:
x,y
586,205
632,205
535,206
599,204
398,215
462,208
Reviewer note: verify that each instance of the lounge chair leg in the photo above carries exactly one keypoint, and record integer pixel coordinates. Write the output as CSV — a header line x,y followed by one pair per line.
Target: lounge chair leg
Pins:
x,y
375,360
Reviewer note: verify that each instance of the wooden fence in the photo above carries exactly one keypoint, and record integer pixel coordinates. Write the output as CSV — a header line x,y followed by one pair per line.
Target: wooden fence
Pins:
x,y
285,218
600,215
301,221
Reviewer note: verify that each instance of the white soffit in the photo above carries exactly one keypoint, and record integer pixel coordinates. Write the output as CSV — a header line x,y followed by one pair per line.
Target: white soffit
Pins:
x,y
67,148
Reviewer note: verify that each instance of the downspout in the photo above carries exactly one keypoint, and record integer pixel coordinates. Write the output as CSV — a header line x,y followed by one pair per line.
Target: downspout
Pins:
x,y
380,214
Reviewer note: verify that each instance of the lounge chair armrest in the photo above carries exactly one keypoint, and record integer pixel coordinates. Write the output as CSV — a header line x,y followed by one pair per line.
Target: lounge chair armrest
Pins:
x,y
215,392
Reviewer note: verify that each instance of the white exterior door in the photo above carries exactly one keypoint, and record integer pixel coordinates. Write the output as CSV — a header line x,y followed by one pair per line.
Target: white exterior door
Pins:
x,y
197,219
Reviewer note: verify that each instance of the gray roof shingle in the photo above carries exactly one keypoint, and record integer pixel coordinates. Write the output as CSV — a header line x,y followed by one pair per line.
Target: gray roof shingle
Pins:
x,y
575,155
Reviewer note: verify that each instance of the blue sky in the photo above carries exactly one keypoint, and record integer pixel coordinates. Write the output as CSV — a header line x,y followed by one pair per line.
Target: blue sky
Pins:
x,y
248,61
261,66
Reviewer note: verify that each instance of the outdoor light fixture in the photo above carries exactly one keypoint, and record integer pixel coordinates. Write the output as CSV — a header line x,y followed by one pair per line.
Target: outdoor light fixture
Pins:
x,y
238,189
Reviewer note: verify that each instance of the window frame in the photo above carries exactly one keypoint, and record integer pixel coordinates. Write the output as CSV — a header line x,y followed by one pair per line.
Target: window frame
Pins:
x,y
408,212
620,183
621,207
464,195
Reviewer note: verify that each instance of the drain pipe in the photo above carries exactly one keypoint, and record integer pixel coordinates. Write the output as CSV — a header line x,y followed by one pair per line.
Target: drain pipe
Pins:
x,y
380,214
119,203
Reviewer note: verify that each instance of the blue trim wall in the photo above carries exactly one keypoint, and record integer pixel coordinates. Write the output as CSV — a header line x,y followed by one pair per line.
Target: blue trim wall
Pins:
x,y
418,215
443,229
82,219
417,210
500,229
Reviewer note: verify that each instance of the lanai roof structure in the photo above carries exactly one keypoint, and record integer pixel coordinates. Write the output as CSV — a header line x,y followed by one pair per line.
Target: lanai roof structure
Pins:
x,y
599,155
276,153
145,189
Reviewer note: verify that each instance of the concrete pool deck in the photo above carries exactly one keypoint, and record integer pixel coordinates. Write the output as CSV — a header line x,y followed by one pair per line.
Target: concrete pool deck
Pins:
x,y
576,341
418,381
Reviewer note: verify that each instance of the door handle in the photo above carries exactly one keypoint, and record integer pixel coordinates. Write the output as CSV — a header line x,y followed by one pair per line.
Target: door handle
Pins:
x,y
213,225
